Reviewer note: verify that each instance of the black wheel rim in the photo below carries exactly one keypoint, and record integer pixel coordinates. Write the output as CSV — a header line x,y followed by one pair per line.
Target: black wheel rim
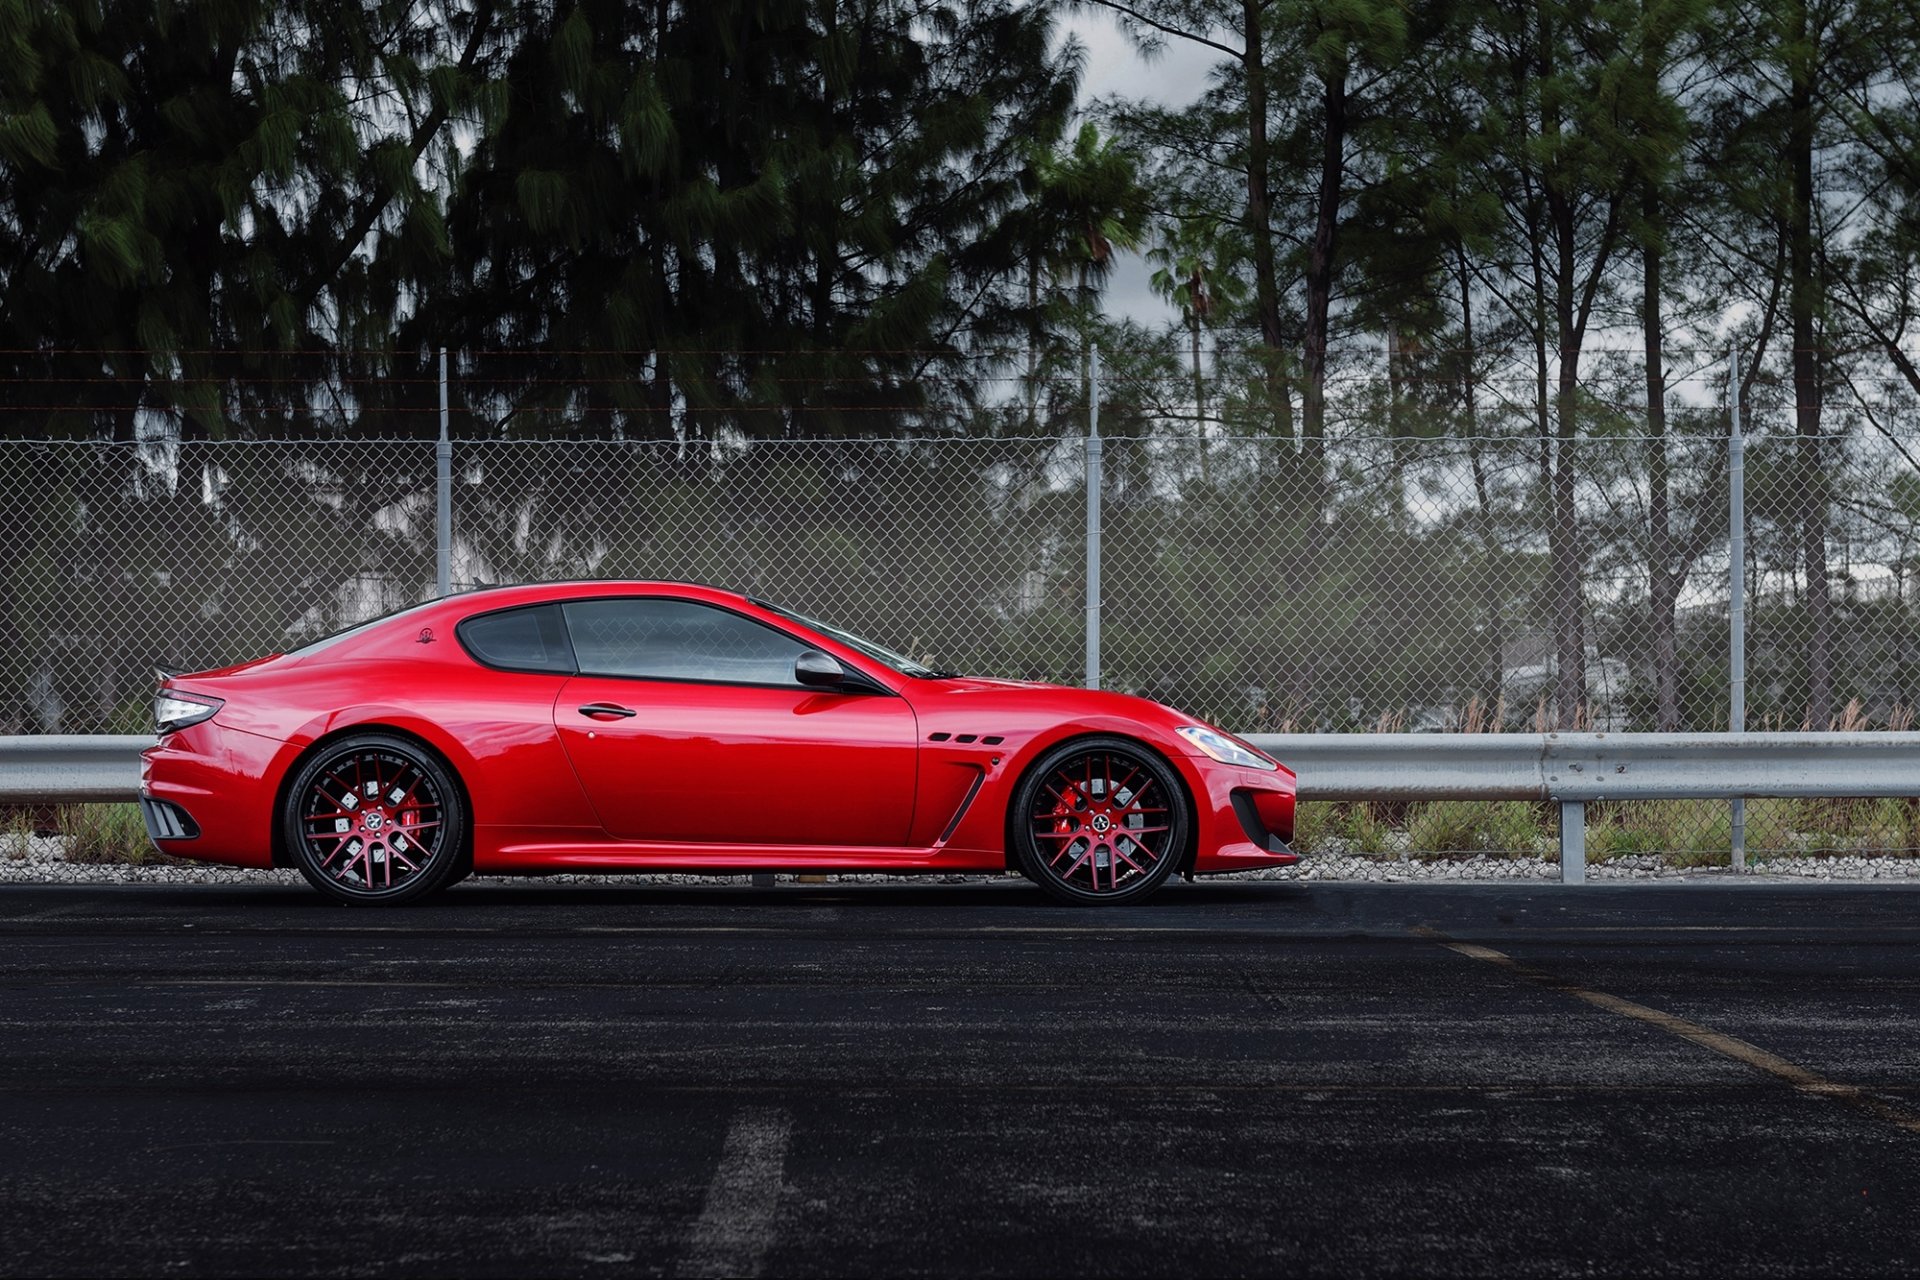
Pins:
x,y
372,820
1102,822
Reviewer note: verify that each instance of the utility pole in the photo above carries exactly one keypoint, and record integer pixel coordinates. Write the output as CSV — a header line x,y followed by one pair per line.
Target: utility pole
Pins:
x,y
1096,471
443,496
1737,589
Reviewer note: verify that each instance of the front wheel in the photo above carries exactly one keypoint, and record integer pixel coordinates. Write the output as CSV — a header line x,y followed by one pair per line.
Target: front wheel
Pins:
x,y
375,819
1100,820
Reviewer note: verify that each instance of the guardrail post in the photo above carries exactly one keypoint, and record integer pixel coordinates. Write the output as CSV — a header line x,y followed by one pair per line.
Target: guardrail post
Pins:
x,y
1096,477
443,496
1573,842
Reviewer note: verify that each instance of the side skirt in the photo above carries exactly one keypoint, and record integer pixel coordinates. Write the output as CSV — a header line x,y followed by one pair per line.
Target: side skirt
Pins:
x,y
533,857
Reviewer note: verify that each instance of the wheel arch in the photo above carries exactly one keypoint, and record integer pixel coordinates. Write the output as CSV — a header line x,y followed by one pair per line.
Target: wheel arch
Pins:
x,y
282,856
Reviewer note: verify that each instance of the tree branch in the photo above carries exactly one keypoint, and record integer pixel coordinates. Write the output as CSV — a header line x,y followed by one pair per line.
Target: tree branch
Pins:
x,y
1238,55
423,134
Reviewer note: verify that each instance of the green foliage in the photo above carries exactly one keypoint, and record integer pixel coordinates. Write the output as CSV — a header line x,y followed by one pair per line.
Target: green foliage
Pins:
x,y
1869,826
1314,821
702,224
1674,833
1365,830
774,212
1514,828
1686,833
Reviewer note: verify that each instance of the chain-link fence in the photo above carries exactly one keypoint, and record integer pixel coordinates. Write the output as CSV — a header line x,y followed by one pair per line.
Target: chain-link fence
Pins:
x,y
967,551
1459,583
1445,583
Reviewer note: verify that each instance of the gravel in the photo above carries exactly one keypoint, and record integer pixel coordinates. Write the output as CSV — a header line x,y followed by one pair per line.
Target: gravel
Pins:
x,y
44,862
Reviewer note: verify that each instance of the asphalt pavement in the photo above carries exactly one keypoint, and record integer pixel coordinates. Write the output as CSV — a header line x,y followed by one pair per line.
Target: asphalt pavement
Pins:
x,y
1240,1078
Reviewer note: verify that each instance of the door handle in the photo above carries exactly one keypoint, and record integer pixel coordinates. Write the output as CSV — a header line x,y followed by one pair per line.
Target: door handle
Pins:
x,y
607,710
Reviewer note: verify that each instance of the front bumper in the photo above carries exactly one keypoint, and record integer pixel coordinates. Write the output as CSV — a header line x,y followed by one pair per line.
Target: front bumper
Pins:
x,y
1266,817
1246,818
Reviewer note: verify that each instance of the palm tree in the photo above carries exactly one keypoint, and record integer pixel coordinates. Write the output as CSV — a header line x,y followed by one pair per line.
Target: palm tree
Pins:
x,y
1191,275
1084,202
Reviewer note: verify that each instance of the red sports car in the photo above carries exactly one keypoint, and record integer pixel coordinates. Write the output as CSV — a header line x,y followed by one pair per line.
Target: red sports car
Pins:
x,y
649,726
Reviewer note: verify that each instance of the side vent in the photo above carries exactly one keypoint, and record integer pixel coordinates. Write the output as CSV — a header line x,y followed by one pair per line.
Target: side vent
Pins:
x,y
938,737
993,740
965,737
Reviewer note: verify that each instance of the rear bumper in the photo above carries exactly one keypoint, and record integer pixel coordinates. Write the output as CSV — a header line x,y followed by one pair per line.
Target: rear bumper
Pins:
x,y
167,821
206,793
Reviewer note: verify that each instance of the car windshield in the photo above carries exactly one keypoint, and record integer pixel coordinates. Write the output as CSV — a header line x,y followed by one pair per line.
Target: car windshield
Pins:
x,y
879,653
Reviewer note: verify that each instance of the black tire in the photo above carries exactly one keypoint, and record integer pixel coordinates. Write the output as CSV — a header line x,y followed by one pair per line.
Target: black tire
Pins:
x,y
1099,821
375,819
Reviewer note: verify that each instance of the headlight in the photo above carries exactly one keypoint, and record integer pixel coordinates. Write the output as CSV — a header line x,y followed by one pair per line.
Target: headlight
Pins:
x,y
1225,748
172,710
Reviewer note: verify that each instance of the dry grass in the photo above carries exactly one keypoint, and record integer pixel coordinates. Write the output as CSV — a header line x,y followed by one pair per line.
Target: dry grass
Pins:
x,y
16,837
109,834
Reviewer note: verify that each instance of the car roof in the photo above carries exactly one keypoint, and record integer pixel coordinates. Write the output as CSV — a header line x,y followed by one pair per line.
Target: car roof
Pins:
x,y
454,609
488,598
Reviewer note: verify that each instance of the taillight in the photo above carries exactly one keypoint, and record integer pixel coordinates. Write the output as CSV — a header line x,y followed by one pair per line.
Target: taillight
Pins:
x,y
173,709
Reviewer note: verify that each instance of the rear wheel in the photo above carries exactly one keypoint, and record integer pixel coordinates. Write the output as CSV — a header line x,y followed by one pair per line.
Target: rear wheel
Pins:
x,y
1100,820
375,819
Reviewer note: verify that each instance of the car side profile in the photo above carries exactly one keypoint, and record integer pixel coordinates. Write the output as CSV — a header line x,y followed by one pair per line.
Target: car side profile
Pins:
x,y
651,726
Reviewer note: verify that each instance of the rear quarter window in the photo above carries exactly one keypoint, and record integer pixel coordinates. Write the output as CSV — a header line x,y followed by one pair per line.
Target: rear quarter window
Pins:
x,y
532,638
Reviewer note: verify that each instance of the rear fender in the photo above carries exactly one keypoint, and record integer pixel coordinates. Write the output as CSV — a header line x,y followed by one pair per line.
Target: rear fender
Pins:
x,y
289,762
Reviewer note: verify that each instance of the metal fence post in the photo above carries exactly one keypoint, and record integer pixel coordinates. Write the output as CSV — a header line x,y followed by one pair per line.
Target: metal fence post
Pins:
x,y
1573,842
1096,472
1736,590
443,496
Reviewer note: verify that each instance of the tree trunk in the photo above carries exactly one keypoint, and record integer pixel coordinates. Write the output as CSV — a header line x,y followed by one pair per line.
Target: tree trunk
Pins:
x,y
1320,256
1663,586
1199,379
1397,449
1200,405
1483,500
1803,298
1033,340
1266,286
1569,632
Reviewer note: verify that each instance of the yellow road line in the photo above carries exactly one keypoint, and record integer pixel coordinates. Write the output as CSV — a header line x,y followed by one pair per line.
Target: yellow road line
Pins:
x,y
1739,1050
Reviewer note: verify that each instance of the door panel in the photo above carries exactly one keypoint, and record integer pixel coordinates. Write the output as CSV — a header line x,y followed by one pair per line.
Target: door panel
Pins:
x,y
741,764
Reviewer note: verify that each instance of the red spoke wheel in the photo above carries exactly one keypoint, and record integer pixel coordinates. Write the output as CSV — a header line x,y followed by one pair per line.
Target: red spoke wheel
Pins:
x,y
1100,820
375,819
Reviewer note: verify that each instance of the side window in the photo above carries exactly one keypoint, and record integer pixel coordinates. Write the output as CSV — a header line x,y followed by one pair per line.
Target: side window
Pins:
x,y
530,639
677,640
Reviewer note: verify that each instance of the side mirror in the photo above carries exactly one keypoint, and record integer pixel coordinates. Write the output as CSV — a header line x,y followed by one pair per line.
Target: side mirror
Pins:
x,y
818,670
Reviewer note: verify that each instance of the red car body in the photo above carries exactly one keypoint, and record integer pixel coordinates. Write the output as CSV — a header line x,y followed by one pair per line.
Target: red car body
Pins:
x,y
914,774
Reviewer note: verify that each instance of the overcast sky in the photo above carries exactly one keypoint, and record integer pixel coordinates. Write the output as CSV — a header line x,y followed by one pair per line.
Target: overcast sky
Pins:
x,y
1176,75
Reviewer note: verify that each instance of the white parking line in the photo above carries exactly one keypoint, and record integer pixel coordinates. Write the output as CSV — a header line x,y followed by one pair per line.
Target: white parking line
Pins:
x,y
735,1227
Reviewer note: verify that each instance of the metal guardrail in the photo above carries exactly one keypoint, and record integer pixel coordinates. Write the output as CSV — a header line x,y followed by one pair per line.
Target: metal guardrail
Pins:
x,y
1597,766
70,768
1571,770
1576,769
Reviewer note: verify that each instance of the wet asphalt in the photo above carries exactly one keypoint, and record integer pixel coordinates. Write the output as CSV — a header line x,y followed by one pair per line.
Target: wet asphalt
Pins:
x,y
1251,1078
